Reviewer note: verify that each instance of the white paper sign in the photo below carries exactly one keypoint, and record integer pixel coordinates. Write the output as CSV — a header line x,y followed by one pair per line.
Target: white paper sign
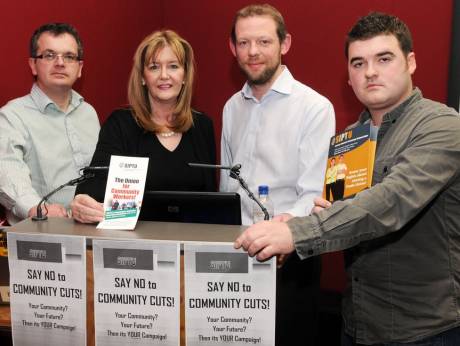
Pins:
x,y
47,289
124,192
229,297
136,292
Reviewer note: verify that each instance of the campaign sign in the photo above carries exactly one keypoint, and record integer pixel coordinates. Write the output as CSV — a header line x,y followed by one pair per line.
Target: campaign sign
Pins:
x,y
229,297
47,289
136,292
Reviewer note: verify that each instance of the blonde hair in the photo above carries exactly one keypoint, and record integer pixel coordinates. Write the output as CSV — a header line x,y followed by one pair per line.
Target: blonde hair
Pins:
x,y
138,94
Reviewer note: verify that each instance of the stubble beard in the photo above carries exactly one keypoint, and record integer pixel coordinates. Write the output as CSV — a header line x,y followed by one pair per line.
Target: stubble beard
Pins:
x,y
264,77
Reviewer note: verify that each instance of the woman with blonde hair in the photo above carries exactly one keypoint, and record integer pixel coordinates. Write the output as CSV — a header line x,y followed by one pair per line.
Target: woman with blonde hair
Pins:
x,y
331,177
159,123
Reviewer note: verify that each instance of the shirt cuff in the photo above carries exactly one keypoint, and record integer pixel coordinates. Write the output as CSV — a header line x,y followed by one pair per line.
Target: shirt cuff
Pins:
x,y
304,235
298,211
23,205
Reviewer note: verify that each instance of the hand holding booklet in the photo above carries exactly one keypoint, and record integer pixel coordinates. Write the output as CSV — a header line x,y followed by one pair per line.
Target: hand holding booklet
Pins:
x,y
350,163
124,192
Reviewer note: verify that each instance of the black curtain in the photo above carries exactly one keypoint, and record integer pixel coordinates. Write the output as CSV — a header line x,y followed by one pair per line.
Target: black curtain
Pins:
x,y
453,97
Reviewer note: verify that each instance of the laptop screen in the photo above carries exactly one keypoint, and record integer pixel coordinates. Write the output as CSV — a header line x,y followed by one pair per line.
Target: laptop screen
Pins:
x,y
191,206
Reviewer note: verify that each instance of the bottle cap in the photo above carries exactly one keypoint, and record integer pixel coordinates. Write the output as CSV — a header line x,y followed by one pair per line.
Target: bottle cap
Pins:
x,y
263,189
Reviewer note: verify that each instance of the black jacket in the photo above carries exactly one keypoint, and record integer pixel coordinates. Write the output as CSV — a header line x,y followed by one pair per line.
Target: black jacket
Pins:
x,y
121,135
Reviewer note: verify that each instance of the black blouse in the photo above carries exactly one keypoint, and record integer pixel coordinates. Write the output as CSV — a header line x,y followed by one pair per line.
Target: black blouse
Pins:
x,y
167,170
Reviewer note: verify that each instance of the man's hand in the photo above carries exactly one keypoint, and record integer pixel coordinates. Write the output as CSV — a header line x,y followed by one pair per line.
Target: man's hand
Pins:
x,y
54,210
86,209
320,204
266,239
284,217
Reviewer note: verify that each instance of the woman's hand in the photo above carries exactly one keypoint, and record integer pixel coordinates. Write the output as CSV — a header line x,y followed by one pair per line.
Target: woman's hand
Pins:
x,y
86,209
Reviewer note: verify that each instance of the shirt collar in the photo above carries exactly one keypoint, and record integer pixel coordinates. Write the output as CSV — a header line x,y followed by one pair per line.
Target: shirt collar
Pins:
x,y
283,85
43,101
394,114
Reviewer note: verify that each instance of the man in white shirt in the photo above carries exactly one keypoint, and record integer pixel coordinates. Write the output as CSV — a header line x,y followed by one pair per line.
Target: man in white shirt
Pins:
x,y
278,129
49,134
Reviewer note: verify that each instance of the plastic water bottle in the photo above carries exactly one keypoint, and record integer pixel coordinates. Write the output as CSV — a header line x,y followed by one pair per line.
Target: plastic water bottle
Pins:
x,y
257,213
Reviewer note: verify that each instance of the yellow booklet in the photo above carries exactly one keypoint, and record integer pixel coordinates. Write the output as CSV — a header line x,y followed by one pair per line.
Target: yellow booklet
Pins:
x,y
350,163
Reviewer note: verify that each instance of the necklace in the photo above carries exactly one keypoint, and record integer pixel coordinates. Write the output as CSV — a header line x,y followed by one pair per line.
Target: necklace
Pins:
x,y
166,134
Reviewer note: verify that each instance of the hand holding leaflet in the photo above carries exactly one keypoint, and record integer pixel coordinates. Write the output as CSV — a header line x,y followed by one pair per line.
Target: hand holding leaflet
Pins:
x,y
124,192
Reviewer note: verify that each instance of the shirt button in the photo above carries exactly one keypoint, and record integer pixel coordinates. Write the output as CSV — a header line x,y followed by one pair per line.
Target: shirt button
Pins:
x,y
385,169
393,121
310,252
355,279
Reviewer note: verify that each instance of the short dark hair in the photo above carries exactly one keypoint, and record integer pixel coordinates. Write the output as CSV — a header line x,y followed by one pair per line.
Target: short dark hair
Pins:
x,y
55,29
261,10
375,24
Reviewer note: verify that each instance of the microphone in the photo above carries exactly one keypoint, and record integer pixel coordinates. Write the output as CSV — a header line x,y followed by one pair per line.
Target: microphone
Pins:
x,y
93,169
237,167
73,182
235,174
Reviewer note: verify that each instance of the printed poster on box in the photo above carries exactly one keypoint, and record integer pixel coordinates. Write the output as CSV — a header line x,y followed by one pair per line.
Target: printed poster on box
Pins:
x,y
136,292
229,296
47,289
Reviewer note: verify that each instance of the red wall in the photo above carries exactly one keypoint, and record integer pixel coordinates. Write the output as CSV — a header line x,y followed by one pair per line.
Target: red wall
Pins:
x,y
111,30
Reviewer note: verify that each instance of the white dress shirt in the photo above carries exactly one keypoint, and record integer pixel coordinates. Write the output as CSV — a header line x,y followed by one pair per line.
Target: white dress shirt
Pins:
x,y
281,141
41,148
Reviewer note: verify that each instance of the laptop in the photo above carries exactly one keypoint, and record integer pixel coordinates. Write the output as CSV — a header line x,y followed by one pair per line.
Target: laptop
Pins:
x,y
191,206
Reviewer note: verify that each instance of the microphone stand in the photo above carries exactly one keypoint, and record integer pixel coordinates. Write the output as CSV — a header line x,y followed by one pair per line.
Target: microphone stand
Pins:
x,y
235,174
76,181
